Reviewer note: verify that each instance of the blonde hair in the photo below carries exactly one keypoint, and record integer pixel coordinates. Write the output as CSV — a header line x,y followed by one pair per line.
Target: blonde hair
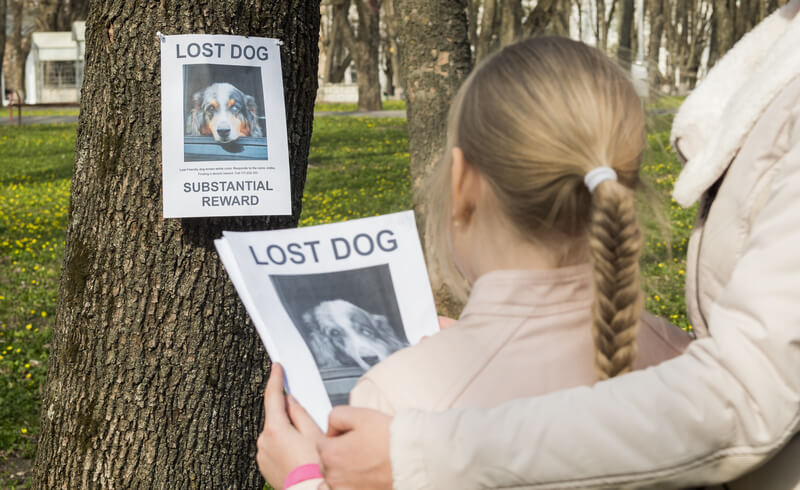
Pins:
x,y
534,119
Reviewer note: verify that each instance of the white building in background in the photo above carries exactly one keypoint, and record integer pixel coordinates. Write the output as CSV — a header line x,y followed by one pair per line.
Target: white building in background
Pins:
x,y
54,67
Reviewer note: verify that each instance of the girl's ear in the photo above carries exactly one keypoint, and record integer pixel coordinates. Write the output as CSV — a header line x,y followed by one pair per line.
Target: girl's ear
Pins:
x,y
465,186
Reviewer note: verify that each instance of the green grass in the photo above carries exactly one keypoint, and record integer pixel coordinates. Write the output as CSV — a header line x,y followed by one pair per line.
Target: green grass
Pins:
x,y
35,168
386,105
41,111
358,167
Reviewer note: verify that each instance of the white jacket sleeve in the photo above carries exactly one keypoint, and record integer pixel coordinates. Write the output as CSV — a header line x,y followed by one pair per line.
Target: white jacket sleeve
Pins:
x,y
707,416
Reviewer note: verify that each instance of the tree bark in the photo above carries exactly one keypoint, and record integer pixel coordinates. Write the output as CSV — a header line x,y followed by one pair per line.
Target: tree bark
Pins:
x,y
337,58
364,47
18,47
537,21
395,78
2,37
156,374
625,33
510,22
435,57
487,37
657,14
58,15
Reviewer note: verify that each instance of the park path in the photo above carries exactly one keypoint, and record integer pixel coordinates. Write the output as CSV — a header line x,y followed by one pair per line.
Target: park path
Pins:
x,y
71,119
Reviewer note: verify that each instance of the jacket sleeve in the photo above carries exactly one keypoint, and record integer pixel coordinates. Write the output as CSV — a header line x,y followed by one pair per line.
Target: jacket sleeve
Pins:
x,y
731,401
367,394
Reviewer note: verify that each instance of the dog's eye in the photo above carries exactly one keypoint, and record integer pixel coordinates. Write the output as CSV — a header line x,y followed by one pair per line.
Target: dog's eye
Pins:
x,y
336,332
366,331
211,109
235,108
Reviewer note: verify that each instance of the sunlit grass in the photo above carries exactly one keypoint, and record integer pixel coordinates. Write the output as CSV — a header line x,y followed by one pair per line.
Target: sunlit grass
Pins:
x,y
386,105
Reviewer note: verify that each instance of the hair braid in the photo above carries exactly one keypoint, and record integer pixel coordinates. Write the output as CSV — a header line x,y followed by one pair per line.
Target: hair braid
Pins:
x,y
616,243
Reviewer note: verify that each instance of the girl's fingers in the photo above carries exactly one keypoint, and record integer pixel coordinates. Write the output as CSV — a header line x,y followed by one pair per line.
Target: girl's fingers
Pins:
x,y
302,420
274,403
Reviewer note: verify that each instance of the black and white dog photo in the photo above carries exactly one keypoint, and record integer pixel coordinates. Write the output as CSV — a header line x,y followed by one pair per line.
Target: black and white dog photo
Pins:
x,y
342,334
224,113
349,321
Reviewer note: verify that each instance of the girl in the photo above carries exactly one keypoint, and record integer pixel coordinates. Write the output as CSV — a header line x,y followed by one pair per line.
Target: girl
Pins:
x,y
533,206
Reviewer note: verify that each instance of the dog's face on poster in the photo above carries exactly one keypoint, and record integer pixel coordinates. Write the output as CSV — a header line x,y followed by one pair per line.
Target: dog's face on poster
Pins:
x,y
342,334
224,112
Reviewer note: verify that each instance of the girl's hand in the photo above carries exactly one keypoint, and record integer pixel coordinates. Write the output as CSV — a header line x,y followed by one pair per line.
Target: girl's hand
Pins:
x,y
355,454
290,436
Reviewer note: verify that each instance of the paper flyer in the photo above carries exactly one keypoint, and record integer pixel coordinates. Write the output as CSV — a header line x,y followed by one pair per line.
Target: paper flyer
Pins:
x,y
331,301
223,125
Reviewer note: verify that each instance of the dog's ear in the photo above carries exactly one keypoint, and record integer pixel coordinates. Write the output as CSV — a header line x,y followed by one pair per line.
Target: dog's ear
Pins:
x,y
319,346
250,102
386,332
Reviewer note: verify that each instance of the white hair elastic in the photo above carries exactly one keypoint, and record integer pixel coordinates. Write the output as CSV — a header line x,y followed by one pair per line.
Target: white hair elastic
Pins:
x,y
595,176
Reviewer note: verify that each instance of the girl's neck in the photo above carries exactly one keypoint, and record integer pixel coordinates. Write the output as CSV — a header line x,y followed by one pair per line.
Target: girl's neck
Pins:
x,y
496,245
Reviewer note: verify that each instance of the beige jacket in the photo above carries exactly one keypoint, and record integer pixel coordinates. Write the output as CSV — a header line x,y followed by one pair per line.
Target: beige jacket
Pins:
x,y
522,333
731,403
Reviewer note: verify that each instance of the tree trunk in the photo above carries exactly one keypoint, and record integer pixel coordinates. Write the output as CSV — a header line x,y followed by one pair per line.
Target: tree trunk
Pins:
x,y
18,47
2,38
473,6
435,56
625,33
337,58
395,80
511,22
156,374
723,27
657,14
561,18
487,37
58,15
364,47
537,21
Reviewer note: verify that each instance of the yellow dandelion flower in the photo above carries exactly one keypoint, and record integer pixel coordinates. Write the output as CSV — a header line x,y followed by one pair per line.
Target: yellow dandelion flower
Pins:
x,y
28,326
24,430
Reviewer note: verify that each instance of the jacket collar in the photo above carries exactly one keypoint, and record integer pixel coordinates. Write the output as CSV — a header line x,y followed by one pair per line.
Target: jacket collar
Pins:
x,y
530,292
715,119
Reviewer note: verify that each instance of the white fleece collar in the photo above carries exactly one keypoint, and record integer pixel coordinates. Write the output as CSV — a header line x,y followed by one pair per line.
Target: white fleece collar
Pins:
x,y
716,118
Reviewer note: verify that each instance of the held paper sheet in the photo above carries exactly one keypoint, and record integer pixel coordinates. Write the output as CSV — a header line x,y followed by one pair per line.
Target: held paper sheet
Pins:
x,y
223,127
331,301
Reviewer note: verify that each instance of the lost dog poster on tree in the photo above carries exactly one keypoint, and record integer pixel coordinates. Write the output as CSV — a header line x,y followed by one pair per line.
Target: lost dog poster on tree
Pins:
x,y
223,127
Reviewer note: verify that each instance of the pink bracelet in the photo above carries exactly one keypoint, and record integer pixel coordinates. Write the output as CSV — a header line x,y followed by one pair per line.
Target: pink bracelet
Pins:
x,y
302,473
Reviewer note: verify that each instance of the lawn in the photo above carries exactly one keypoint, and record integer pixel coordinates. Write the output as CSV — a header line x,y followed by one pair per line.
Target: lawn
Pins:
x,y
358,167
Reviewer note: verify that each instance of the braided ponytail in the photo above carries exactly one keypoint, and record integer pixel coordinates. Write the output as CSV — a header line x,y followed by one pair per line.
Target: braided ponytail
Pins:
x,y
615,243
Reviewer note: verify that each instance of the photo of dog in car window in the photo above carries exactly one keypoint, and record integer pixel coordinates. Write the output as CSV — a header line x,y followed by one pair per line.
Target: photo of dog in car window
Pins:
x,y
349,321
224,115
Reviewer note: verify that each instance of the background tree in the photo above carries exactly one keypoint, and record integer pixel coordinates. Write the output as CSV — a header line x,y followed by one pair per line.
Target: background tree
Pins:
x,y
18,44
625,49
58,15
2,36
363,43
337,58
28,16
394,76
156,375
434,54
657,14
604,15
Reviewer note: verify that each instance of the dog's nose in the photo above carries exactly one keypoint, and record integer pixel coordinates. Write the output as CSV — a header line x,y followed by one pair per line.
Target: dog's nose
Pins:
x,y
223,132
